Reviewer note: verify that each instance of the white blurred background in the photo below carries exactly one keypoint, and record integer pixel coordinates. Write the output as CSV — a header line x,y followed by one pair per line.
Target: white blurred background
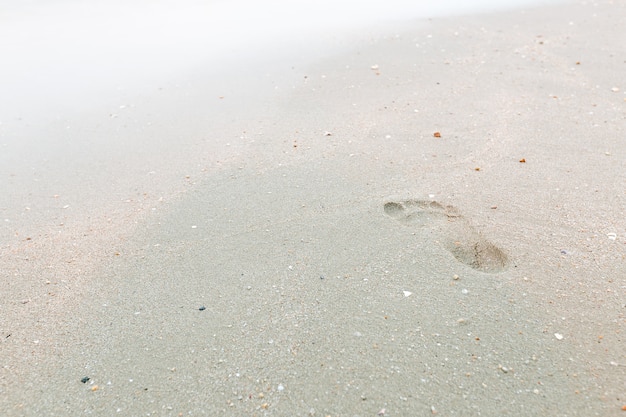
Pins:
x,y
58,52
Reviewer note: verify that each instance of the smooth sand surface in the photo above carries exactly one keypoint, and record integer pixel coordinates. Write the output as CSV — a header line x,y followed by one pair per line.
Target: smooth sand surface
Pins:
x,y
294,240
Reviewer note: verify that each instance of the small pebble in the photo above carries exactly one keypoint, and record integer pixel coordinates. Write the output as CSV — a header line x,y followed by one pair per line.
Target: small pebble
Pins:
x,y
85,379
558,336
455,277
202,308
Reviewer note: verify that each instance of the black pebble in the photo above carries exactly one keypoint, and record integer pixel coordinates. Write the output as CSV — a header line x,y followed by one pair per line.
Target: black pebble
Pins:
x,y
202,308
84,380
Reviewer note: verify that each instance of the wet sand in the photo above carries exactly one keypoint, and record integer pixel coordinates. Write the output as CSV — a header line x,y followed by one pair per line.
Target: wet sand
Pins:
x,y
296,240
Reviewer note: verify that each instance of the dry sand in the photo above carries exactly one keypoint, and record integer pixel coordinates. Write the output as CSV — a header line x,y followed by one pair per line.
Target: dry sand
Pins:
x,y
293,240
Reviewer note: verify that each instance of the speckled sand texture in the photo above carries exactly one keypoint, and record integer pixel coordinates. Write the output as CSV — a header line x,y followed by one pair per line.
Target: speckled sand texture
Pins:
x,y
291,238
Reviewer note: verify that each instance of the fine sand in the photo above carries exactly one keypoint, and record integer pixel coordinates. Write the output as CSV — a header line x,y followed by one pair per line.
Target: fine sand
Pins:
x,y
428,220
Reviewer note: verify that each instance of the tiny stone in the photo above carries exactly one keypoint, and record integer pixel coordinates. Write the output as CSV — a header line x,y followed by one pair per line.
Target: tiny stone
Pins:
x,y
559,336
202,308
85,379
455,277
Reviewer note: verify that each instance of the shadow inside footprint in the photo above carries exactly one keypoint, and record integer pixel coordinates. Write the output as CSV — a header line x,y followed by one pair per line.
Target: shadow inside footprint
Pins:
x,y
463,241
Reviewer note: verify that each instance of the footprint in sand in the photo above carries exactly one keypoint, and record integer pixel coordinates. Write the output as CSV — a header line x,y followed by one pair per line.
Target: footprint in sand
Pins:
x,y
453,230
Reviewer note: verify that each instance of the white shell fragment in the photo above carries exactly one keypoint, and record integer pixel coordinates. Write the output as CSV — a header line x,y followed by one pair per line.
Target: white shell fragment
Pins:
x,y
407,293
558,336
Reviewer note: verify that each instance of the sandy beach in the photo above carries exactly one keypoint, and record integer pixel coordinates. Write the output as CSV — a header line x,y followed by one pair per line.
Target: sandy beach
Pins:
x,y
426,218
